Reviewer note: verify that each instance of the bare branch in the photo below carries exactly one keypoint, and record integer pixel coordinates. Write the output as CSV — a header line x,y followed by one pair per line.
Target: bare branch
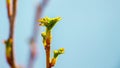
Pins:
x,y
33,39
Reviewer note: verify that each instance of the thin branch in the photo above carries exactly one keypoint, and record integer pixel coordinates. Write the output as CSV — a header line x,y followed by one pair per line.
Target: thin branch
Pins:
x,y
47,48
11,8
33,39
44,3
14,9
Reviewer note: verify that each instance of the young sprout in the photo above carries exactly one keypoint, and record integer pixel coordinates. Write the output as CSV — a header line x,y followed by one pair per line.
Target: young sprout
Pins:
x,y
56,54
49,23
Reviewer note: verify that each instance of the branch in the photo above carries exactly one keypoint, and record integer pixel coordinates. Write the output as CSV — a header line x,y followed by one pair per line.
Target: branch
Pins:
x,y
11,8
33,39
49,23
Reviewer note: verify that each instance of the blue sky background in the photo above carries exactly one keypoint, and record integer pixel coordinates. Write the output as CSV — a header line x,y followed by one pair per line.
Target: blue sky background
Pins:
x,y
89,32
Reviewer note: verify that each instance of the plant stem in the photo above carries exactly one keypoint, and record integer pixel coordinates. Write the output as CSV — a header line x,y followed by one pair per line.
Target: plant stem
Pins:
x,y
33,39
48,57
12,44
33,46
47,48
11,8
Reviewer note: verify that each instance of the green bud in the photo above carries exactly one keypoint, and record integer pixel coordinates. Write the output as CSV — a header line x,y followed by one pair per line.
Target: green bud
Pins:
x,y
8,44
43,34
61,50
58,52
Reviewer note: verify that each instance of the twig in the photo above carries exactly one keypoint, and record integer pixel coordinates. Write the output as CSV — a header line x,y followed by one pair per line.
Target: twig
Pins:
x,y
33,51
47,49
49,23
11,8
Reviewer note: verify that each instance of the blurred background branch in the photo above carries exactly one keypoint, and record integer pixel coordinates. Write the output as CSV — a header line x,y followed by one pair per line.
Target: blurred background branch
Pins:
x,y
33,50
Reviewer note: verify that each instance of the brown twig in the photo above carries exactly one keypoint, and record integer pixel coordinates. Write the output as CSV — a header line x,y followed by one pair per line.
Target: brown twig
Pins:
x,y
48,56
33,51
11,8
33,39
47,48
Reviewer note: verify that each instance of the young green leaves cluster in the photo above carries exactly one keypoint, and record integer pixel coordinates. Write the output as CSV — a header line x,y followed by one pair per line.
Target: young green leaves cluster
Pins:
x,y
49,23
